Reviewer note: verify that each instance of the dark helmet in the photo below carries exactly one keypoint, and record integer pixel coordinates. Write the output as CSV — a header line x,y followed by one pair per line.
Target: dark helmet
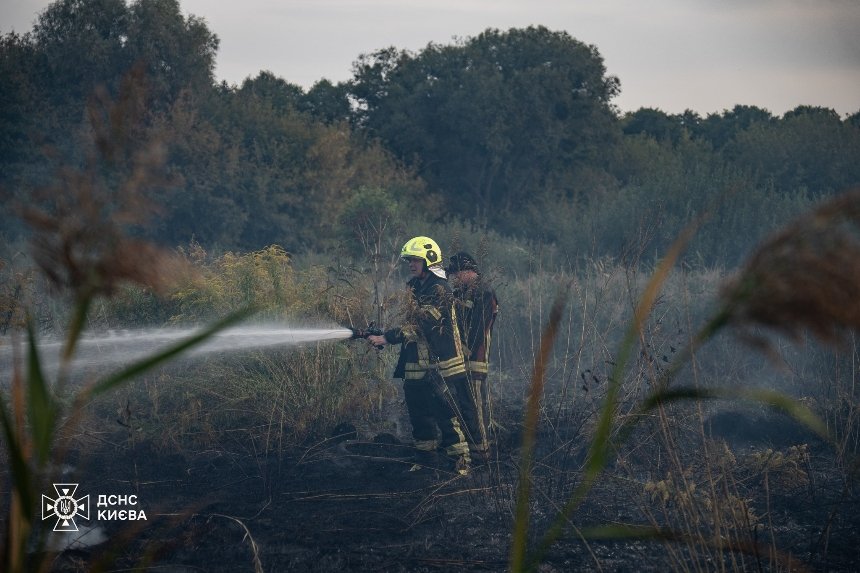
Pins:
x,y
462,261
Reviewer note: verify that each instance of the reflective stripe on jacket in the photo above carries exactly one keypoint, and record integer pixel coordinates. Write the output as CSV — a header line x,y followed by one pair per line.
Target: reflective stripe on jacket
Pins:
x,y
478,309
430,339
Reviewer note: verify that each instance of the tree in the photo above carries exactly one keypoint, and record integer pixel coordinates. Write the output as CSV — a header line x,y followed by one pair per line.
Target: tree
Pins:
x,y
493,119
17,98
82,45
653,123
721,129
263,173
88,43
178,52
824,114
327,102
80,50
809,149
324,102
280,94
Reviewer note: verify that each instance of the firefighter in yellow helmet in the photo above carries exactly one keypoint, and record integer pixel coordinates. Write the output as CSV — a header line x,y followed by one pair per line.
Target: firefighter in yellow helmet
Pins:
x,y
431,361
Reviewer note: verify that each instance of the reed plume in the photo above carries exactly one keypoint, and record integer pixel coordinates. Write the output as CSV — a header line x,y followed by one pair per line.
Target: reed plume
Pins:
x,y
805,277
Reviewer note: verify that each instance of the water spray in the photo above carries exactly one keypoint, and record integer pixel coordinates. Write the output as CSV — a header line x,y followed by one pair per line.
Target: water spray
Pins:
x,y
126,346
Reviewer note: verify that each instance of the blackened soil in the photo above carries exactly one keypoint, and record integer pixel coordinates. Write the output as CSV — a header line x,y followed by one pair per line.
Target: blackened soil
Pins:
x,y
347,506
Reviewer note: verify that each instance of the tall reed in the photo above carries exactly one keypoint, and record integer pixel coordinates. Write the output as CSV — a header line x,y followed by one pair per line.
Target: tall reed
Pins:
x,y
806,277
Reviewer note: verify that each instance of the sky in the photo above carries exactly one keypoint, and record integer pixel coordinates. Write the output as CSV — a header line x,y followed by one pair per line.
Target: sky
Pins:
x,y
674,55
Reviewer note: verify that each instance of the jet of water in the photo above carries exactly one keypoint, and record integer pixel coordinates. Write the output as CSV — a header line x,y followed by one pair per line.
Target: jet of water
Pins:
x,y
126,346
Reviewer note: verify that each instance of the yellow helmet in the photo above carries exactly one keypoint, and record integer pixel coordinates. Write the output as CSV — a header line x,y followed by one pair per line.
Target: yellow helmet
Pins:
x,y
422,248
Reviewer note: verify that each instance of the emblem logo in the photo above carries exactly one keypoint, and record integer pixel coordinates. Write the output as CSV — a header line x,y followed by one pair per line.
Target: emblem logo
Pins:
x,y
65,507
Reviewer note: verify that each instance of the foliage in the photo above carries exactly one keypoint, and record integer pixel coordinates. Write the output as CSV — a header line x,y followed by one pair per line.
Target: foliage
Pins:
x,y
84,245
264,172
510,130
809,149
655,124
493,119
264,279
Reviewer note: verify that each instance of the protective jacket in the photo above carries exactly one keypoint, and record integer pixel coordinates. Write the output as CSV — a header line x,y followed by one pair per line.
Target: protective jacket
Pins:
x,y
476,308
430,338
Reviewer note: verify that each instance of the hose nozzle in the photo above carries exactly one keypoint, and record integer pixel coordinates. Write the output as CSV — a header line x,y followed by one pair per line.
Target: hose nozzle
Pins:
x,y
371,330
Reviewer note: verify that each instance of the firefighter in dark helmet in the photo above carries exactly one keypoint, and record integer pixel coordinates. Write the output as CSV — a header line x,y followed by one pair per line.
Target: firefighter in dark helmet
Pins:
x,y
431,361
476,307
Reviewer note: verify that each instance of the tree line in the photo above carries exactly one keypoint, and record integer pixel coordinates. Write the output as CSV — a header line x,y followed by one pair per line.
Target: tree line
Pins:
x,y
510,130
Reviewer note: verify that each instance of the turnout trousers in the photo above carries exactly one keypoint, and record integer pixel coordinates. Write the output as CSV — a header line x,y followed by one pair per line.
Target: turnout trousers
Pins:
x,y
432,405
471,403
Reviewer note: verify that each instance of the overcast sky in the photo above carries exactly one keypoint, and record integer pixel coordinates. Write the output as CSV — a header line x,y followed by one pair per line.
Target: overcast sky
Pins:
x,y
704,55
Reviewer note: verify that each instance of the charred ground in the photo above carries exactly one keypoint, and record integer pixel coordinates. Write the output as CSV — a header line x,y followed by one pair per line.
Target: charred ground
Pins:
x,y
358,505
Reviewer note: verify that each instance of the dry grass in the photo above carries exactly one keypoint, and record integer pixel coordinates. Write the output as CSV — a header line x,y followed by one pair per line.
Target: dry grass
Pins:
x,y
806,278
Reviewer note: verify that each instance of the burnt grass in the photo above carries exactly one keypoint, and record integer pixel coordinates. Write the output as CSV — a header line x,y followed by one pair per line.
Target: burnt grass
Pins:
x,y
353,505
